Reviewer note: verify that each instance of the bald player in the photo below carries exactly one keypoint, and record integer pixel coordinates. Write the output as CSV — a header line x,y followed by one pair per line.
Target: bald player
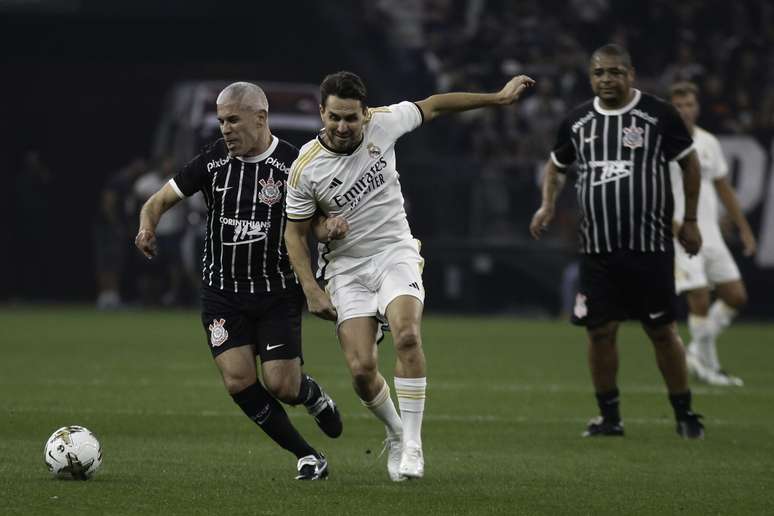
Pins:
x,y
251,300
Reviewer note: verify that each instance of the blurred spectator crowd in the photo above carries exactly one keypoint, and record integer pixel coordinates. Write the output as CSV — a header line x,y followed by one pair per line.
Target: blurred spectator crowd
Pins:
x,y
475,45
495,155
170,279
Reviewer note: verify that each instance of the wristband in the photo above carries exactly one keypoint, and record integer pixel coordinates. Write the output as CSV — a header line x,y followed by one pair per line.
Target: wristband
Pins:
x,y
689,219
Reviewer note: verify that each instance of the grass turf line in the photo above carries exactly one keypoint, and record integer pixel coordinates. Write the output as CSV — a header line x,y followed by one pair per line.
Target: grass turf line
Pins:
x,y
507,401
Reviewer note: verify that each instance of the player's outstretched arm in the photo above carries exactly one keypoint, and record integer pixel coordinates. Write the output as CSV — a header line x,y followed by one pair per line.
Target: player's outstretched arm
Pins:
x,y
731,203
318,301
553,182
689,235
150,215
442,103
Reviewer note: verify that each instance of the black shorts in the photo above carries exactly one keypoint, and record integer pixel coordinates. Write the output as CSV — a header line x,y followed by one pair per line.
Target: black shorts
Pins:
x,y
269,321
624,285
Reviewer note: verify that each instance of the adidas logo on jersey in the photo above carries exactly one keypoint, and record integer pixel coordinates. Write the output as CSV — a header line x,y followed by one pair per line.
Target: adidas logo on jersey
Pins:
x,y
334,183
414,285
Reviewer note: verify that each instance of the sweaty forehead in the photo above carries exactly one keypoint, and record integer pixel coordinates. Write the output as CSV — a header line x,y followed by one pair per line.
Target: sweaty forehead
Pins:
x,y
231,109
342,107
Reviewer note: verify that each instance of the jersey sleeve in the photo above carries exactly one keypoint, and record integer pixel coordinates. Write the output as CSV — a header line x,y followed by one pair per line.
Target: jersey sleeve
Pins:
x,y
191,179
563,153
676,178
300,202
398,119
719,163
677,141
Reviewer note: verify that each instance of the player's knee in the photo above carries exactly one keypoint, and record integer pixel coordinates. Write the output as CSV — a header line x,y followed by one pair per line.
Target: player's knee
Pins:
x,y
602,336
737,299
283,390
664,337
363,373
235,382
407,339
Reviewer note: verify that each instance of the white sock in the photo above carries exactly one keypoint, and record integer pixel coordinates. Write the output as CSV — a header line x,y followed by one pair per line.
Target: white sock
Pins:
x,y
703,341
721,316
411,399
384,409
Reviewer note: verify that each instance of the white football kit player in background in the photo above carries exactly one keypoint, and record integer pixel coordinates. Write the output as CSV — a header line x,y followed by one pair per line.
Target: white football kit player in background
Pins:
x,y
372,267
713,267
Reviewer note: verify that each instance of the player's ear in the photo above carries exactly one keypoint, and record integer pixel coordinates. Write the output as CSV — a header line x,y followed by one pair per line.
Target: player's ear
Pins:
x,y
322,112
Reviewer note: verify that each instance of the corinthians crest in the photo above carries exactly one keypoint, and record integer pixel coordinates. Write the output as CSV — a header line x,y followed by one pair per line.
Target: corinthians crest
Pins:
x,y
580,310
373,150
632,137
218,334
270,191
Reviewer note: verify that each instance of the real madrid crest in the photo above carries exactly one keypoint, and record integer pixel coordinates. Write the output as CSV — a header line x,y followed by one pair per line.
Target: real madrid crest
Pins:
x,y
373,150
218,334
632,136
270,191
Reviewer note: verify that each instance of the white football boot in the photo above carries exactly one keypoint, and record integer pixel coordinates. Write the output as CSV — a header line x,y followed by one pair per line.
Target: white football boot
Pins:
x,y
392,445
412,462
709,376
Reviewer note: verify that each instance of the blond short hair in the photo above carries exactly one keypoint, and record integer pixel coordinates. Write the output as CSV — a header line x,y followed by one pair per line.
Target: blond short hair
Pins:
x,y
244,94
682,88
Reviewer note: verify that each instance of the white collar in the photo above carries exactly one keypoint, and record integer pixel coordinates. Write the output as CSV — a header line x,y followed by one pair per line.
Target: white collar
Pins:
x,y
265,154
613,112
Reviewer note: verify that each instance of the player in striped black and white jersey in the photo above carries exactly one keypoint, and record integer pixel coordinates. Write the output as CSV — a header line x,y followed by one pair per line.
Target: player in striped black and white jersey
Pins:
x,y
622,141
251,300
375,272
714,267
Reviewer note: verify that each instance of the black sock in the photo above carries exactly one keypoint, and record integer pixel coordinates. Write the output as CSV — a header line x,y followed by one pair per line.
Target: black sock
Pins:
x,y
608,405
267,413
681,402
309,391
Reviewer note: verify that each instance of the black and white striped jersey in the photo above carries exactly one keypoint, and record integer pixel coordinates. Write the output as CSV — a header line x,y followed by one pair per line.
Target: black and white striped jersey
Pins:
x,y
622,158
244,248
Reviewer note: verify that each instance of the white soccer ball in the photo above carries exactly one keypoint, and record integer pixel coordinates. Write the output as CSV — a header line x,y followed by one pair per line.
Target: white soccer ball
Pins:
x,y
73,452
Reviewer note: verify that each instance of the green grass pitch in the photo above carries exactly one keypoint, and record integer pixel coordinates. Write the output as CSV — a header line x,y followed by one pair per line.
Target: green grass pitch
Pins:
x,y
507,401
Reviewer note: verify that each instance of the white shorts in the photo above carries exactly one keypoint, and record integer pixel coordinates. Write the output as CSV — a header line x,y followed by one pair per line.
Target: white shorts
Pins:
x,y
367,290
714,264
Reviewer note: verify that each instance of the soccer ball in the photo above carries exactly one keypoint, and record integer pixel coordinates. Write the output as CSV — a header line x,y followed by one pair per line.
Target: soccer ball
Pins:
x,y
73,452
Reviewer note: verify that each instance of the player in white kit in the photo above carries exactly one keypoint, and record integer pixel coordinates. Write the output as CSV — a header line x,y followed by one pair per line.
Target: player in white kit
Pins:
x,y
714,267
374,273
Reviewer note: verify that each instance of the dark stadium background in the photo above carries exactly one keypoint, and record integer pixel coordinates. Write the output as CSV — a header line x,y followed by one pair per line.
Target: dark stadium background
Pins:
x,y
85,82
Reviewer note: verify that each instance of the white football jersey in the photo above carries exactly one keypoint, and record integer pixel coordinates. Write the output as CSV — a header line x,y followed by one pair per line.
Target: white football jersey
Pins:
x,y
362,186
713,166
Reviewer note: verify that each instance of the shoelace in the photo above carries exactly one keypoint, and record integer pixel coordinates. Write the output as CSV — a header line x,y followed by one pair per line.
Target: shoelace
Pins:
x,y
386,445
414,453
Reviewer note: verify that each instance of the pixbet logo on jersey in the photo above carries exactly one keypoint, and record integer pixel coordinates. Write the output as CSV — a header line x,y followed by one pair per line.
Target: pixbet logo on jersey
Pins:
x,y
216,163
273,162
